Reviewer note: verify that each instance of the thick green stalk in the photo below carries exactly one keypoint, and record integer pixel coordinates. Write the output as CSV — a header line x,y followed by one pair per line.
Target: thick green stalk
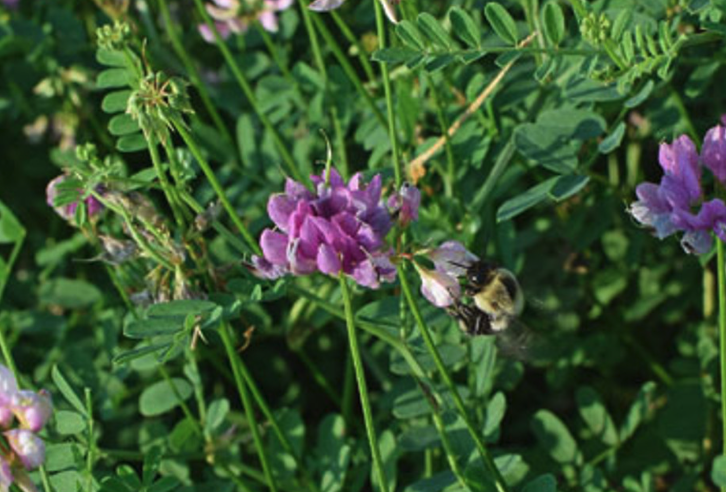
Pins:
x,y
362,387
247,404
499,482
216,186
250,95
193,72
721,265
392,135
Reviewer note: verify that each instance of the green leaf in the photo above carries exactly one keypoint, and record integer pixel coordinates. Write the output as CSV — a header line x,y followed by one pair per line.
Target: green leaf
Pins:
x,y
11,230
524,201
621,23
67,391
433,31
112,78
122,124
181,308
131,143
593,412
567,186
718,472
69,423
394,55
165,484
410,35
419,439
216,413
69,293
554,437
553,21
160,397
612,141
62,456
464,27
495,413
115,102
502,23
641,96
543,483
146,328
333,454
639,411
111,58
130,355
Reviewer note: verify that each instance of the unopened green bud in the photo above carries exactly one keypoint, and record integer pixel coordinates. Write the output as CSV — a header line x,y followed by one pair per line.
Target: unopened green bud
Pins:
x,y
113,37
86,152
595,28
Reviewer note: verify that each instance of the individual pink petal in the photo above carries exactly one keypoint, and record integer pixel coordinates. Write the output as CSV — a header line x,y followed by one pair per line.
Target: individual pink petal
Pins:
x,y
325,5
8,383
32,409
328,260
268,19
274,247
280,207
452,258
713,152
439,288
28,447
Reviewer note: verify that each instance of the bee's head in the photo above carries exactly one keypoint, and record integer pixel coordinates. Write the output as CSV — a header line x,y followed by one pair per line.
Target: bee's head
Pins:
x,y
479,273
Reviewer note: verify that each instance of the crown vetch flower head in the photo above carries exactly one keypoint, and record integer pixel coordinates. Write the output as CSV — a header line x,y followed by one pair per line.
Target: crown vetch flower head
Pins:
x,y
28,447
235,16
337,228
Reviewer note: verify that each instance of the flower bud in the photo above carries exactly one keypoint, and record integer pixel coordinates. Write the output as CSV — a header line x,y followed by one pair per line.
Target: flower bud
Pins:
x,y
68,210
28,447
713,152
438,287
405,203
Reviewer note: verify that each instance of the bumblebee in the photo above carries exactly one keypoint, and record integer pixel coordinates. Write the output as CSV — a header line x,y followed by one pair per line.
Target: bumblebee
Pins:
x,y
495,296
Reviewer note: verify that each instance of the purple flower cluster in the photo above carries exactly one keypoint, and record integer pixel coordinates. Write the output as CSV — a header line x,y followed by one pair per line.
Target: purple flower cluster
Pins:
x,y
68,212
339,227
677,204
235,16
441,285
23,450
328,5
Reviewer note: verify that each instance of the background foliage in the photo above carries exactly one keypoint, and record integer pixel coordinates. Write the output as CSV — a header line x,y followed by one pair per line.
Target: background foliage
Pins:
x,y
617,394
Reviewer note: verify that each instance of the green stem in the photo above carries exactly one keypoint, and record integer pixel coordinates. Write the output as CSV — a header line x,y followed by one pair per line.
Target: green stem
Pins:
x,y
381,28
7,355
169,192
216,186
362,388
444,125
234,362
193,72
249,93
353,40
721,265
257,395
331,43
499,482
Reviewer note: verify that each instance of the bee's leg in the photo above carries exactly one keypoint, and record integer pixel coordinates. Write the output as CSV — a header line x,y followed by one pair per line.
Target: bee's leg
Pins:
x,y
471,320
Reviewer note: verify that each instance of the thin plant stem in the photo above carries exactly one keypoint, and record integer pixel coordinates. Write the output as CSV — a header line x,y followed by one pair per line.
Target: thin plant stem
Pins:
x,y
7,355
249,93
444,124
257,395
169,191
247,404
216,186
193,72
392,134
721,265
362,387
348,68
497,478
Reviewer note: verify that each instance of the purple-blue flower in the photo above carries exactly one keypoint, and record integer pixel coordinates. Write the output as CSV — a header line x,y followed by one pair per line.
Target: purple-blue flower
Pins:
x,y
404,204
336,228
677,203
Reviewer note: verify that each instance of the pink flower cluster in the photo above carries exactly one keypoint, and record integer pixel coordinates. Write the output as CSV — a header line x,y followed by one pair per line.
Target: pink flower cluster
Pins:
x,y
339,227
235,16
678,203
68,212
23,414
